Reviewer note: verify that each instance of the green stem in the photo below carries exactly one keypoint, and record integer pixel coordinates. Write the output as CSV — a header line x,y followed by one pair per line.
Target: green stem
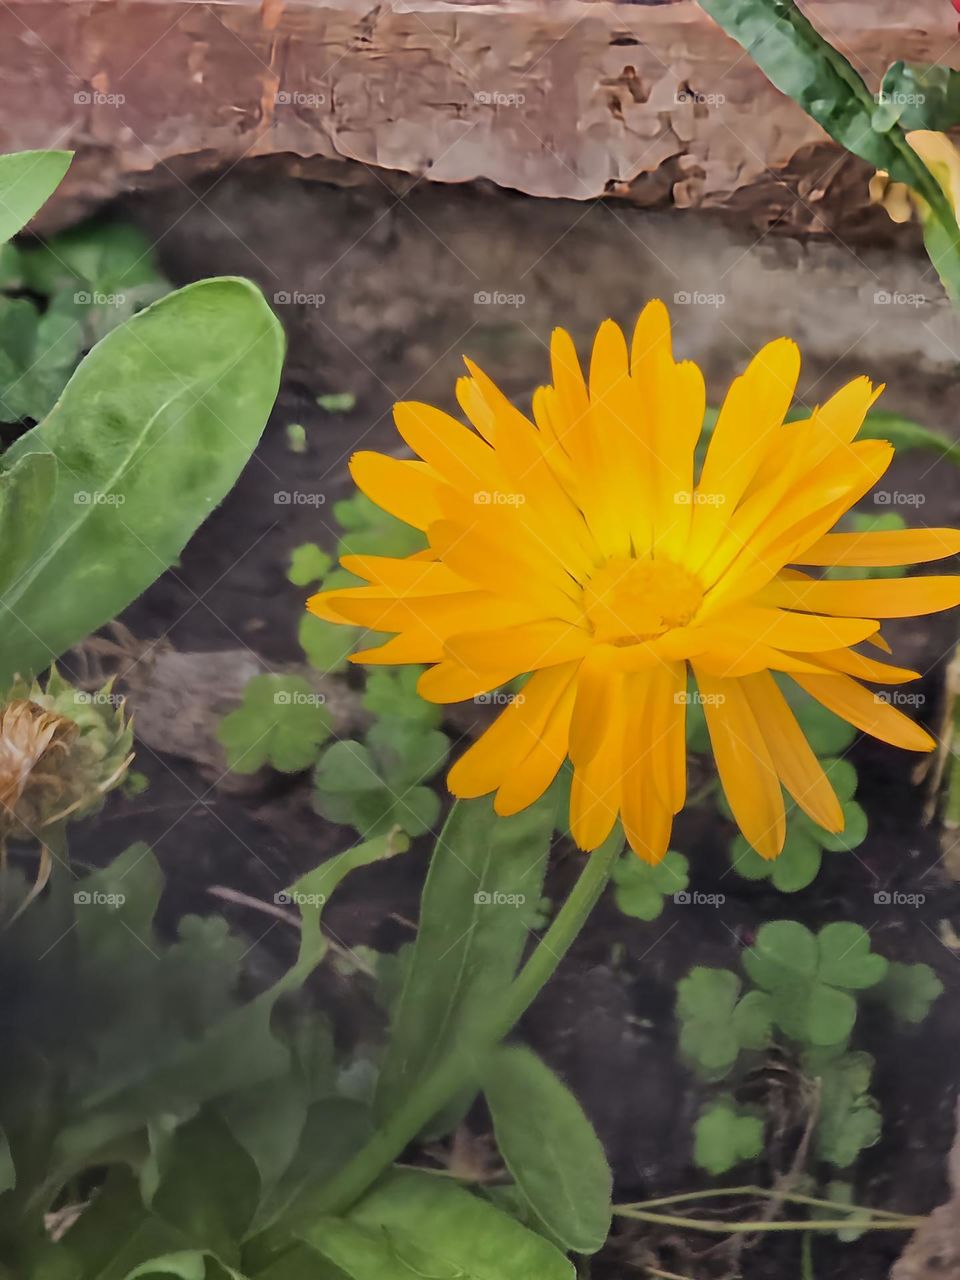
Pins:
x,y
745,1228
768,1193
461,1067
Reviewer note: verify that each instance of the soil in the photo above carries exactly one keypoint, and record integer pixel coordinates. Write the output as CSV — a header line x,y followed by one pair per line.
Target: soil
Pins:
x,y
398,277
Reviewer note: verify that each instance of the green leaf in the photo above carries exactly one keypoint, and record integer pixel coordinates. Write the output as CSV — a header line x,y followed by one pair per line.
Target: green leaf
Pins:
x,y
550,1148
38,353
470,938
802,64
846,959
150,434
326,644
783,953
281,722
849,1118
858,522
640,889
337,401
369,530
753,1020
921,97
377,786
725,1135
904,434
26,491
705,1003
841,1195
413,1226
909,990
27,181
208,1187
308,564
391,692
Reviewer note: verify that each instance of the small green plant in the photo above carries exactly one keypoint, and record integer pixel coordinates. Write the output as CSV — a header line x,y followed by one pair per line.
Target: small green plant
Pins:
x,y
640,889
726,1134
802,1004
806,841
281,722
308,564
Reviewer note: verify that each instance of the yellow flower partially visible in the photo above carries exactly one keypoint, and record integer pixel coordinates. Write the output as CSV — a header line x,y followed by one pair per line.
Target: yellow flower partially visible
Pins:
x,y
941,157
582,547
34,743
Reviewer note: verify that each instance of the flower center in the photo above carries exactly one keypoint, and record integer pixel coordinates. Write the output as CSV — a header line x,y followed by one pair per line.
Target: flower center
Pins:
x,y
630,600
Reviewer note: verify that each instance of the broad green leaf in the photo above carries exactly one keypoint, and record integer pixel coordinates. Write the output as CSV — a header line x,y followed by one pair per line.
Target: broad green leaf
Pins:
x,y
640,889
281,722
824,1016
909,990
188,1264
208,1186
471,935
149,435
26,491
38,353
27,181
369,530
549,1147
753,1020
725,1135
413,1225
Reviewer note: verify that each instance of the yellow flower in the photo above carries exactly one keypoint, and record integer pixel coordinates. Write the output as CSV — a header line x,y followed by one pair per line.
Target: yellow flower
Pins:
x,y
583,548
940,156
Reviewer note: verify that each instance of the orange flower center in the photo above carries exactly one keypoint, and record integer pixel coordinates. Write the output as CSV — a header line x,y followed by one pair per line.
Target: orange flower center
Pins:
x,y
630,600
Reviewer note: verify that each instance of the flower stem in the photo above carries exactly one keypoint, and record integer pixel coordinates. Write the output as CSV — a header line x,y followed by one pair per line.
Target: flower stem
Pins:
x,y
460,1067
743,1228
769,1193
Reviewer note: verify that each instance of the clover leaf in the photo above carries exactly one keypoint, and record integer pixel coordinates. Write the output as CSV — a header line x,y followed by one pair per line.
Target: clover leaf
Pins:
x,y
308,564
799,862
849,1119
809,978
377,785
725,1135
281,722
714,1025
640,888
391,693
371,531
909,990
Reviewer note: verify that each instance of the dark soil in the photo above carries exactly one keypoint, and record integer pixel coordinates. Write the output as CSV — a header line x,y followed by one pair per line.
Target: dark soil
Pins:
x,y
398,302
